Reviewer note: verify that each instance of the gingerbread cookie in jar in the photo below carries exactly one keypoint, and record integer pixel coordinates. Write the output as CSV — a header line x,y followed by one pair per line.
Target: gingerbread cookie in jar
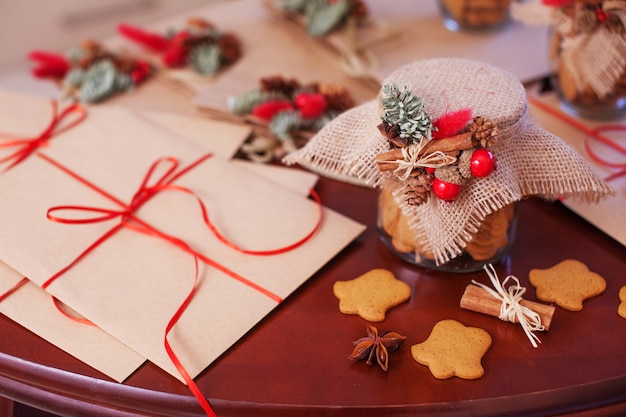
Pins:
x,y
475,15
450,147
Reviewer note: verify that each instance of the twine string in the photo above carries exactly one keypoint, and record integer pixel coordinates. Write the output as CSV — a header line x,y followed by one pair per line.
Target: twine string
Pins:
x,y
511,310
412,159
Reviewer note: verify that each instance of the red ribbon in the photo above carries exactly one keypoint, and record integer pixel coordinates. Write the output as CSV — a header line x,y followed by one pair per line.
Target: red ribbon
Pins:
x,y
26,146
150,186
591,135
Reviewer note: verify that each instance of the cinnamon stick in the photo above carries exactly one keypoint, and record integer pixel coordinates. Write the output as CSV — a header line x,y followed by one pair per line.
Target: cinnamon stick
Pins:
x,y
460,142
478,299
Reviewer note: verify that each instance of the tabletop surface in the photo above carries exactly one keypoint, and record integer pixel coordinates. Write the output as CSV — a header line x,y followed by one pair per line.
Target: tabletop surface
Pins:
x,y
295,361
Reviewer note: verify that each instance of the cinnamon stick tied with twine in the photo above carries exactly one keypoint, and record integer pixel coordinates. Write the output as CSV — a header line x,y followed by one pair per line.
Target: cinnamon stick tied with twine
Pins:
x,y
391,160
508,304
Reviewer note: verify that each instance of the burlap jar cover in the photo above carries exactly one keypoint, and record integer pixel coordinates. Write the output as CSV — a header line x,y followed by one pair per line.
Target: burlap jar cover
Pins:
x,y
530,161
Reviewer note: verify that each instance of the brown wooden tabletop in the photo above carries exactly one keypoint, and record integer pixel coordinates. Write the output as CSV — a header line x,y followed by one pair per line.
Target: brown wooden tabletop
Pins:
x,y
294,363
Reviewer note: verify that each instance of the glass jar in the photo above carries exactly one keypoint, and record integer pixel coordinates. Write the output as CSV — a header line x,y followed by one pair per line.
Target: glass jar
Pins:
x,y
473,15
490,243
582,85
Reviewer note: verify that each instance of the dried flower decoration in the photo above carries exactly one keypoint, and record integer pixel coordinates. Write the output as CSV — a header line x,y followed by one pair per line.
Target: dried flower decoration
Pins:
x,y
433,156
375,348
324,16
90,73
290,109
199,45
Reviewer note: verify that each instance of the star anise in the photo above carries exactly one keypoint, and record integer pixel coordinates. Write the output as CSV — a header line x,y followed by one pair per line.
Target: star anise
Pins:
x,y
376,348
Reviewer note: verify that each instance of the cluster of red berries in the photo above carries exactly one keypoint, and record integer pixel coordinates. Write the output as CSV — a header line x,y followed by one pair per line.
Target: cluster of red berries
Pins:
x,y
310,106
482,164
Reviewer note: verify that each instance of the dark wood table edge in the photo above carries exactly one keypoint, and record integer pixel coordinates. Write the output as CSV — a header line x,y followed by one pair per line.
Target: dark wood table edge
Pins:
x,y
69,394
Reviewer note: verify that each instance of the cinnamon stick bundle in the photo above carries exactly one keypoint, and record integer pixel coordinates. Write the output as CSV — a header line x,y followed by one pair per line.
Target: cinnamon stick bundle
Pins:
x,y
480,300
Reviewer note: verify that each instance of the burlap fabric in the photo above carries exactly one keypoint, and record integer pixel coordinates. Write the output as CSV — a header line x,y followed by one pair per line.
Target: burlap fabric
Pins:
x,y
530,161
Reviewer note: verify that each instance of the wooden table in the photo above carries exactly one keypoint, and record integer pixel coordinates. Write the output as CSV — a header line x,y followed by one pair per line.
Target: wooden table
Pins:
x,y
294,363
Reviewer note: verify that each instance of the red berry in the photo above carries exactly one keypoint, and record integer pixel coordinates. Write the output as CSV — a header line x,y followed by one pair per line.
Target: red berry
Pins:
x,y
445,191
310,105
268,109
482,163
430,170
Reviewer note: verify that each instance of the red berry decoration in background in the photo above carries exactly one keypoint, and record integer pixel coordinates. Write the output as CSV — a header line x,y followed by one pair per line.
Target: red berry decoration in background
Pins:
x,y
310,105
268,109
482,163
445,191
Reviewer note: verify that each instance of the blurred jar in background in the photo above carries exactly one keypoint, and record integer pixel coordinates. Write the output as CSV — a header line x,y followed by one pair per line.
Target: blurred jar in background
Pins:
x,y
475,15
588,52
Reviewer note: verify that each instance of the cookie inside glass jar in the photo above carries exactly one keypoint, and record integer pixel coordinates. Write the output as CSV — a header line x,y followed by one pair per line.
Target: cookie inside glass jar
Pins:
x,y
475,15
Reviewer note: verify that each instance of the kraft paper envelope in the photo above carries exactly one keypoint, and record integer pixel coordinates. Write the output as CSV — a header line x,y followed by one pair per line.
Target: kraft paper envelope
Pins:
x,y
609,215
421,34
33,308
132,283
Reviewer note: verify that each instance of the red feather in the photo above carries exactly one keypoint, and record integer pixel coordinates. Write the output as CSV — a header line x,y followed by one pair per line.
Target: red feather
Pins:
x,y
451,123
152,41
50,65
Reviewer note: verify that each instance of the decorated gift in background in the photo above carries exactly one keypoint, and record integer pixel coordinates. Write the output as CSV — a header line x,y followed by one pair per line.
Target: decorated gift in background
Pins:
x,y
345,25
290,111
452,148
475,15
198,48
273,55
131,283
90,72
588,49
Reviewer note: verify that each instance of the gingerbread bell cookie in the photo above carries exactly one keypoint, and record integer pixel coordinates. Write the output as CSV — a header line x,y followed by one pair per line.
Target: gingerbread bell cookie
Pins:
x,y
567,284
453,349
371,294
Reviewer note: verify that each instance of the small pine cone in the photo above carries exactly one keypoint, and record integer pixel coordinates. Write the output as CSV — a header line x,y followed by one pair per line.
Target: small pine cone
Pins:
x,y
392,132
338,98
463,163
449,173
279,84
483,132
230,45
586,20
358,9
419,185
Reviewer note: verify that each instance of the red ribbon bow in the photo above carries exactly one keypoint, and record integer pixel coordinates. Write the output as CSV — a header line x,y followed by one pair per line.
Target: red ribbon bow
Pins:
x,y
26,146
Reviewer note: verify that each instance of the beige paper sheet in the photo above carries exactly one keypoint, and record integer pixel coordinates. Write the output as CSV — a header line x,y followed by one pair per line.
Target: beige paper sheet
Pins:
x,y
609,215
519,48
33,308
131,285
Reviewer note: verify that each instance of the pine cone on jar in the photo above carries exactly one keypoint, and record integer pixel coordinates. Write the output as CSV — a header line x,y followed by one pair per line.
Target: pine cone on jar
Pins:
x,y
483,132
419,184
231,48
280,84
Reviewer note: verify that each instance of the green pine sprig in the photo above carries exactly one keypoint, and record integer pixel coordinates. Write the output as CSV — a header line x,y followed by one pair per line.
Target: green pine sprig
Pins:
x,y
406,110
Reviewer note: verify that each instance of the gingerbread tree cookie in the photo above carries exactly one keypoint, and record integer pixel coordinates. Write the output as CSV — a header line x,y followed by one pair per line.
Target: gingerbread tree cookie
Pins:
x,y
453,349
567,284
371,294
621,310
